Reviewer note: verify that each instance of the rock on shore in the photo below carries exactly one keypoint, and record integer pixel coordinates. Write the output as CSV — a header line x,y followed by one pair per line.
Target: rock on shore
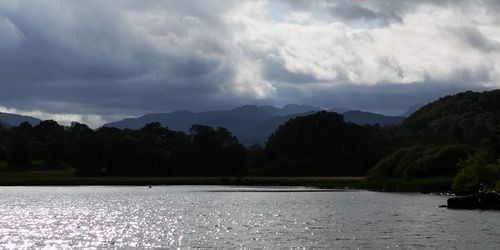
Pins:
x,y
476,201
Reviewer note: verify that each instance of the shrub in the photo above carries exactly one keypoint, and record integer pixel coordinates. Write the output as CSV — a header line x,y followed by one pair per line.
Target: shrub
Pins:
x,y
421,161
477,170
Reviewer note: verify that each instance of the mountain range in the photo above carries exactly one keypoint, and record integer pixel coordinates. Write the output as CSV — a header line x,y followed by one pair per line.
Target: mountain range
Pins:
x,y
15,119
251,124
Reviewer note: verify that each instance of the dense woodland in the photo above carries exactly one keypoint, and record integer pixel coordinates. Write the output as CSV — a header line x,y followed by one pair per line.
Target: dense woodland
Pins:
x,y
457,135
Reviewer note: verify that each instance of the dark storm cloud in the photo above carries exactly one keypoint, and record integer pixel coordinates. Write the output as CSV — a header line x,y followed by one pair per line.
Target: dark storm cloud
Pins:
x,y
67,42
392,99
128,57
84,52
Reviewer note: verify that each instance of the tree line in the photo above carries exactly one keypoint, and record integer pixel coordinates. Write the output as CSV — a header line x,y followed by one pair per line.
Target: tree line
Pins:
x,y
457,136
150,151
321,144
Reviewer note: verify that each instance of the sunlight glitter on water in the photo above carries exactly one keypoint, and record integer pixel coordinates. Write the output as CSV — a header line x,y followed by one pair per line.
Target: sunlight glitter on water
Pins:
x,y
171,217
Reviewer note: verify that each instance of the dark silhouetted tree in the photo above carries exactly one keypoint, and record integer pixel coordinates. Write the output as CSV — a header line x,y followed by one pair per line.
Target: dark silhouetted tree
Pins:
x,y
20,145
50,143
215,152
4,133
323,144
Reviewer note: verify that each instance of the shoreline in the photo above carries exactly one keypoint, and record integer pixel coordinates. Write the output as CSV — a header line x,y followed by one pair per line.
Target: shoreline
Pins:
x,y
194,180
435,184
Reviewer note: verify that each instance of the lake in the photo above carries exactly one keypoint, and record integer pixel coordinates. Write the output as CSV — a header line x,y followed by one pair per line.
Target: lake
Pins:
x,y
236,217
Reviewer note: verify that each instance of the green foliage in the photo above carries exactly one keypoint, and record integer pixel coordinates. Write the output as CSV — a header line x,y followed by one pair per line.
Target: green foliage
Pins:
x,y
481,168
458,124
476,171
421,161
464,118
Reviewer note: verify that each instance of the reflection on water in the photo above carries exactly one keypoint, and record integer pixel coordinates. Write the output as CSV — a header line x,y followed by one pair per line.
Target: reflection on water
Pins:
x,y
198,217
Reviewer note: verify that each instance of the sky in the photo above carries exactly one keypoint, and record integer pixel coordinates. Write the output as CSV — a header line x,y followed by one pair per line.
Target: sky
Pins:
x,y
96,61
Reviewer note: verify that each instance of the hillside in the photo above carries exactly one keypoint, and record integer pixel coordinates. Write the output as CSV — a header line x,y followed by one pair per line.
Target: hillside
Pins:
x,y
447,137
365,118
467,117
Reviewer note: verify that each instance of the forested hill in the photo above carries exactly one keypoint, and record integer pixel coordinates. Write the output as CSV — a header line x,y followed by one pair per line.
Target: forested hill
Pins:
x,y
466,117
454,135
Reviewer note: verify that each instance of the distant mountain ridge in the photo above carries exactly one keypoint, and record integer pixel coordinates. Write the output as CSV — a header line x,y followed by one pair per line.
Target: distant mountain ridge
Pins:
x,y
241,121
15,119
251,124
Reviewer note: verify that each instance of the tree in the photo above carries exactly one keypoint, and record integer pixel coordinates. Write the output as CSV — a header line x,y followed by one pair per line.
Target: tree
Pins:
x,y
82,153
157,146
50,143
20,145
215,152
476,171
3,142
323,144
421,161
481,168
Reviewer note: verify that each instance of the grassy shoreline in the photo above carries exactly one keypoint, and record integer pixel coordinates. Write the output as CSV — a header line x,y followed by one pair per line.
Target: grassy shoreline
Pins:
x,y
434,184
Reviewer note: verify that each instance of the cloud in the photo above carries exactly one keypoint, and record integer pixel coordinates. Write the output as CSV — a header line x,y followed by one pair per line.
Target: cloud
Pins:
x,y
372,13
472,37
108,59
386,98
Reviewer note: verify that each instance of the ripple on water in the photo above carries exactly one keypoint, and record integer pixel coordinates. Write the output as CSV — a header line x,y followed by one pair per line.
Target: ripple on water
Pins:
x,y
171,217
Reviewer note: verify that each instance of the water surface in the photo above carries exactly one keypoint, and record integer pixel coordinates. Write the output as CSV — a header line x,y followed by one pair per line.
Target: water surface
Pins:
x,y
236,217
